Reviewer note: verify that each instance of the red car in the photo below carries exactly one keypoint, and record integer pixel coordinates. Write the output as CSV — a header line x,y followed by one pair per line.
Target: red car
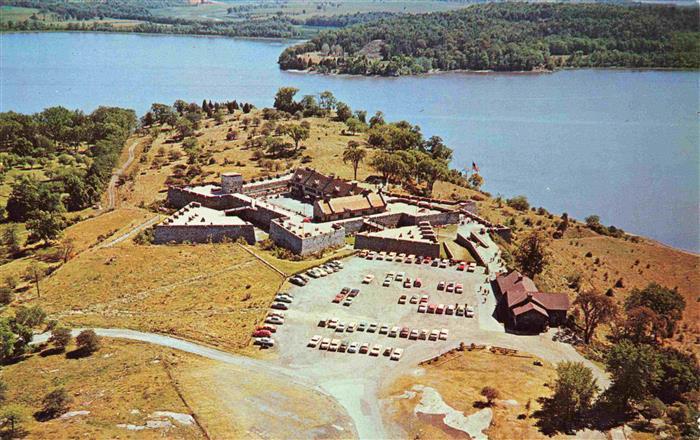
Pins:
x,y
268,327
431,308
262,334
462,266
417,282
339,297
404,332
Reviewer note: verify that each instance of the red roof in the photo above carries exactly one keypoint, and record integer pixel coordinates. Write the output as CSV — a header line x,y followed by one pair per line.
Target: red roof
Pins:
x,y
528,307
323,184
520,291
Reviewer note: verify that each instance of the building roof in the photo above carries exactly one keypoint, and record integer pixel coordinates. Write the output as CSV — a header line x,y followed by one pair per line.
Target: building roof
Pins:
x,y
323,184
529,307
354,203
520,291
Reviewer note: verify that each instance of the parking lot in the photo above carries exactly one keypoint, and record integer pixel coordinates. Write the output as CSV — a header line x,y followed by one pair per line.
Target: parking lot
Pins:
x,y
374,304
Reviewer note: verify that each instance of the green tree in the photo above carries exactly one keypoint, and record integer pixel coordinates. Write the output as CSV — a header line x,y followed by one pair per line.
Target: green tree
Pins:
x,y
431,170
78,193
46,226
60,337
184,128
328,101
635,370
56,403
29,316
377,119
284,99
12,416
8,340
298,133
355,125
574,392
596,309
11,239
652,409
476,181
343,111
532,256
437,148
667,303
88,341
35,273
519,202
354,154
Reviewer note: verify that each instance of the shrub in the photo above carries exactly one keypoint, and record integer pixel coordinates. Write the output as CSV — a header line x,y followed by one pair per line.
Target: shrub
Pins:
x,y
88,341
490,393
60,337
519,202
55,403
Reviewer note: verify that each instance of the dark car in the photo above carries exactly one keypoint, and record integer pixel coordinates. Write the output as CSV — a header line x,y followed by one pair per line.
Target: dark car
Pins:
x,y
279,306
298,281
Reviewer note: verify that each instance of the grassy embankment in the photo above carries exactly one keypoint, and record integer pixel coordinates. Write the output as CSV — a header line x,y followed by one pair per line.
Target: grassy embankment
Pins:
x,y
459,379
122,383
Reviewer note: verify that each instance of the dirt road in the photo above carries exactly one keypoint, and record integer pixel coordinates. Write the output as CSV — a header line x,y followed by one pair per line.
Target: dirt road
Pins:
x,y
111,197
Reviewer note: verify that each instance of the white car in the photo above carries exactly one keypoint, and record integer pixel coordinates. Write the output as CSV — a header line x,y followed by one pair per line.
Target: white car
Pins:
x,y
264,342
443,334
274,320
352,348
396,354
332,323
313,342
400,276
351,327
368,279
324,344
313,273
335,343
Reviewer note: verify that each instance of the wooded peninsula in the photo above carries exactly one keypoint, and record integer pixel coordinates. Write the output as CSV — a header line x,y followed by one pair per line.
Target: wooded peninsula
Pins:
x,y
507,37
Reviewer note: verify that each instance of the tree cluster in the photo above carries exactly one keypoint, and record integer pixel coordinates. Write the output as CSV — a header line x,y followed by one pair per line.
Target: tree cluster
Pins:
x,y
510,37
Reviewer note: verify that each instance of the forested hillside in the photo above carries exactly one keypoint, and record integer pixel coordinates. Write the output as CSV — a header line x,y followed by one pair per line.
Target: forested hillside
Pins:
x,y
508,37
58,160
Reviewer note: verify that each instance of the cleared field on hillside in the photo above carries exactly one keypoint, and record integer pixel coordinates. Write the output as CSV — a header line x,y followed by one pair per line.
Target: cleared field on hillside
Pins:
x,y
212,293
122,383
459,382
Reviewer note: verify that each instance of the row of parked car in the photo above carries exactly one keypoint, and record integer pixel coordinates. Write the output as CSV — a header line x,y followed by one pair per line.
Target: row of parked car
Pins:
x,y
450,286
345,296
447,309
384,329
263,334
336,345
417,259
317,272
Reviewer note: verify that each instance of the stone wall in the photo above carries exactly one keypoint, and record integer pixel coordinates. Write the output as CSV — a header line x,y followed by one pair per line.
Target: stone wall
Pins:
x,y
260,216
435,219
305,245
386,244
471,247
179,197
202,234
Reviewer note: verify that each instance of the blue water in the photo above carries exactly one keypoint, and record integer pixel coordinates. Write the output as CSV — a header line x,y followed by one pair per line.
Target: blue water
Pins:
x,y
620,144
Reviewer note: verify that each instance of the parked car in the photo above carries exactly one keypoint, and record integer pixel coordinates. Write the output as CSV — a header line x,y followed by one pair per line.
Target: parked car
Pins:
x,y
404,332
262,333
444,263
283,299
347,302
324,344
270,328
363,253
459,288
435,263
422,308
362,327
332,323
431,308
264,342
414,299
433,335
338,298
345,290
279,306
400,276
274,320
384,329
340,327
407,283
335,343
419,259
352,348
461,266
313,342
343,347
427,260
459,311
402,299
423,299
364,348
313,273
450,287
440,309
443,334
394,332
417,282
351,327
354,292
423,335
414,334
372,327
368,279
441,285
450,309
297,281
396,354
274,313
375,350
387,351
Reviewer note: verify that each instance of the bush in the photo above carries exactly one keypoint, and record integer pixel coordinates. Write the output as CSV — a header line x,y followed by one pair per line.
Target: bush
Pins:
x,y
88,341
491,394
60,337
519,202
55,403
7,295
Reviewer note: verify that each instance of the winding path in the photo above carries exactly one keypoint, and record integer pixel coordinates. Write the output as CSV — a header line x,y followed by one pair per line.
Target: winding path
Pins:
x,y
111,198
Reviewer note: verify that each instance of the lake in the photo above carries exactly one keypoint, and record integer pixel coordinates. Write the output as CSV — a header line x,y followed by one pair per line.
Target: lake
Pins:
x,y
620,144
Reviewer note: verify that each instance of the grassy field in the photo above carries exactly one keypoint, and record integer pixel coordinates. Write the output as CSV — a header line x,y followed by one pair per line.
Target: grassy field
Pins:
x,y
122,383
459,380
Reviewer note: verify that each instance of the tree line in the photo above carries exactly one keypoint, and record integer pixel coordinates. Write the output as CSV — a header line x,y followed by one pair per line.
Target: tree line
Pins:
x,y
77,153
510,37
